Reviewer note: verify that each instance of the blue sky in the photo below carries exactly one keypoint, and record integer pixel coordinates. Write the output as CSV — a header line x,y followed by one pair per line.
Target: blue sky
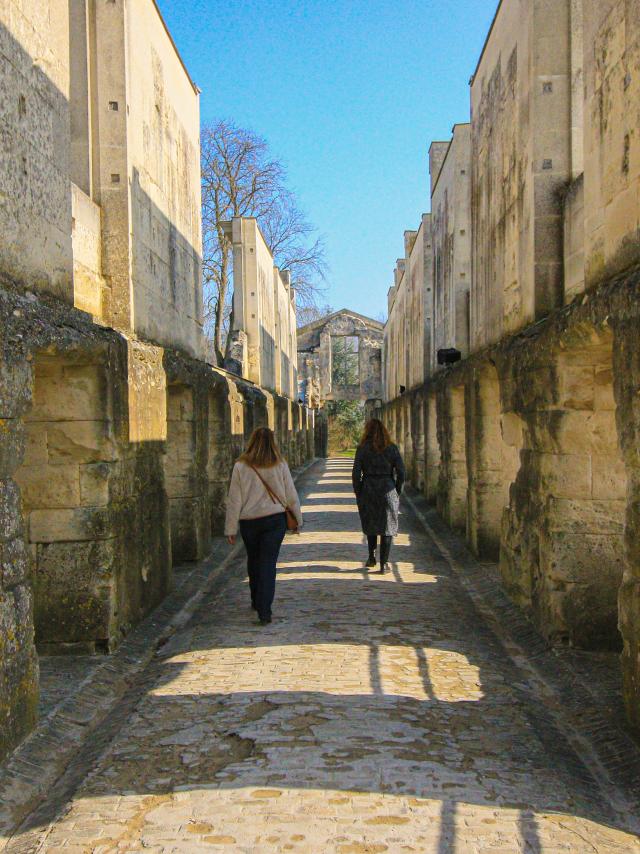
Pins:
x,y
349,95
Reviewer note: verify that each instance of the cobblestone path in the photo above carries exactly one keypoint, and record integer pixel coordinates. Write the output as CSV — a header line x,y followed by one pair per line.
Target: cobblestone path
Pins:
x,y
377,713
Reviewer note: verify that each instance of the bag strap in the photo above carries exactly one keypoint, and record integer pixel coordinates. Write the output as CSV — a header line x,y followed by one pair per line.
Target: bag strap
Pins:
x,y
272,495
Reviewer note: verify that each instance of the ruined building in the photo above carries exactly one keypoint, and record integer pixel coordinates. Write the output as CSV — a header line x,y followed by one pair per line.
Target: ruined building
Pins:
x,y
530,444
116,439
340,358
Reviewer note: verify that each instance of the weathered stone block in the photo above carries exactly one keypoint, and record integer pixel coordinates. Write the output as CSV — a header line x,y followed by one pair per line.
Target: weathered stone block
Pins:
x,y
73,590
218,504
458,470
67,393
586,516
94,484
35,452
577,387
581,578
536,390
609,477
456,403
568,431
180,406
180,441
83,523
565,475
603,387
15,388
14,563
584,559
11,445
10,511
18,667
147,393
48,486
489,444
179,486
591,432
515,567
81,442
189,528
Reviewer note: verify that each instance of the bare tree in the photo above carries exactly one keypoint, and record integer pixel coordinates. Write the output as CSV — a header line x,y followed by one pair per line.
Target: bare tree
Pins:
x,y
239,178
310,313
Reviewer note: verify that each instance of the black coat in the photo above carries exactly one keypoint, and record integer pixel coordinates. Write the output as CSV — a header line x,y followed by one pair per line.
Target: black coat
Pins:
x,y
377,482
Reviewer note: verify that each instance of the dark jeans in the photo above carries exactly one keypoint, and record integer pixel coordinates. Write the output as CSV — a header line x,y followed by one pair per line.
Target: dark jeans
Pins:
x,y
385,547
262,539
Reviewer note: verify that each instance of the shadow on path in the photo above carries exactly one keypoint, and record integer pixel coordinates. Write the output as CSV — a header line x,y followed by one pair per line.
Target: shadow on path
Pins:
x,y
388,689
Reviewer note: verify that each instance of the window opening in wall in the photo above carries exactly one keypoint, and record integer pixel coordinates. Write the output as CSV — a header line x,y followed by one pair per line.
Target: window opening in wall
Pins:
x,y
345,360
345,421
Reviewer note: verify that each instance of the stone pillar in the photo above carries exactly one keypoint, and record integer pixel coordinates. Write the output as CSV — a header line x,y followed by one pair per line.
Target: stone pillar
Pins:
x,y
110,162
562,550
453,481
432,453
325,364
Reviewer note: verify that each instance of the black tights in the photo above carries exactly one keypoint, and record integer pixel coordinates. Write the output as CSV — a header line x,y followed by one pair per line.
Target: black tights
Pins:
x,y
385,547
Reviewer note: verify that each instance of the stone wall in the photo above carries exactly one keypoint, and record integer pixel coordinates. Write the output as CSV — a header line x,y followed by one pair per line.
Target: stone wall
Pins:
x,y
428,305
35,215
116,439
163,153
521,153
530,445
406,352
134,156
264,313
612,142
451,238
103,487
537,461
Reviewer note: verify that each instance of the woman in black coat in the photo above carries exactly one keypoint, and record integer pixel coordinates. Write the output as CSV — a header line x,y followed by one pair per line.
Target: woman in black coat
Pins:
x,y
378,477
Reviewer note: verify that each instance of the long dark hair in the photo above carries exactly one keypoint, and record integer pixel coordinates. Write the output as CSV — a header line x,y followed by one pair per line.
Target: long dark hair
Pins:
x,y
376,435
262,450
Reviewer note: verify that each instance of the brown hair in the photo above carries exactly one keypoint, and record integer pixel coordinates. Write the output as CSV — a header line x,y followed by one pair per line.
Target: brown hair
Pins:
x,y
376,435
261,450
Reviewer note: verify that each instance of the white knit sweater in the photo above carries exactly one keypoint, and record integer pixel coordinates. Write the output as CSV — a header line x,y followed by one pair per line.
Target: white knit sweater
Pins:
x,y
248,499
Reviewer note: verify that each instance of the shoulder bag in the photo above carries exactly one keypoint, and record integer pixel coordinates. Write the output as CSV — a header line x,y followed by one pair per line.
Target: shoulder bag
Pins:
x,y
292,522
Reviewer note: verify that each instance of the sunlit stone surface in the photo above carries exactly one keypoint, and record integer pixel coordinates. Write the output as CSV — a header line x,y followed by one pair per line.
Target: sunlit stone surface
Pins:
x,y
376,713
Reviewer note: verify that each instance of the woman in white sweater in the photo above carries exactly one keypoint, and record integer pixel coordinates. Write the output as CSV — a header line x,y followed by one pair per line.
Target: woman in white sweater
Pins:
x,y
261,491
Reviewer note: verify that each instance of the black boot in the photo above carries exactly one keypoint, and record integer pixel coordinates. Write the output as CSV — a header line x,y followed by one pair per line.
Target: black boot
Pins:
x,y
371,541
385,549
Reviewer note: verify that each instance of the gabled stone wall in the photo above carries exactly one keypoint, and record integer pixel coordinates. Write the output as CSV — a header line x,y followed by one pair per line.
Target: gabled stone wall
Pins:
x,y
314,358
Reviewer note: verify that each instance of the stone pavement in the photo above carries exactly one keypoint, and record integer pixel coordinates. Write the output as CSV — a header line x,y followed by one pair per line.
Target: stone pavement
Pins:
x,y
376,713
